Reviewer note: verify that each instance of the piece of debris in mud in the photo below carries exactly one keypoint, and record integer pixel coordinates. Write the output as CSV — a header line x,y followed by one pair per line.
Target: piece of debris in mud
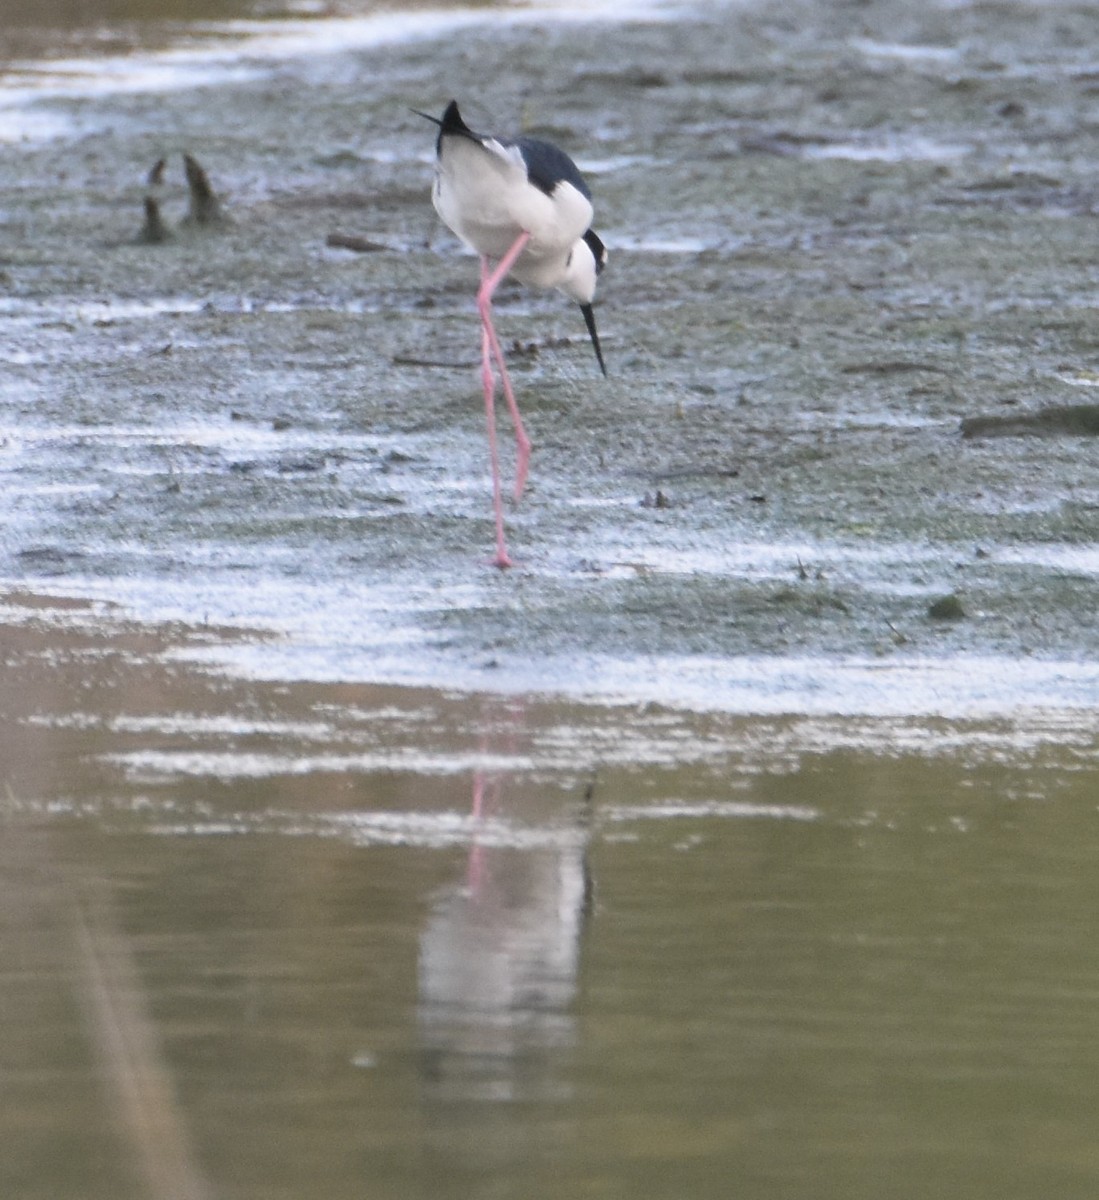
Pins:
x,y
521,349
1013,179
444,364
534,347
899,638
1058,420
154,230
816,602
946,608
156,173
694,471
205,208
350,241
784,143
891,366
657,499
804,573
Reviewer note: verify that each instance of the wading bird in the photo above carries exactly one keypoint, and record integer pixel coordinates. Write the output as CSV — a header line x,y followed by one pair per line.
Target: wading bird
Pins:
x,y
524,207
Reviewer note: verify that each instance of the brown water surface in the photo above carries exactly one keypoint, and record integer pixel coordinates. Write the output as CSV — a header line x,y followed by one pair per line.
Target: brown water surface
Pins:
x,y
344,940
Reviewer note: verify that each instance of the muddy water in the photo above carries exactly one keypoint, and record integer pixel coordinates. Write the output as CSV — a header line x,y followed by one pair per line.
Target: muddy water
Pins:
x,y
738,840
344,940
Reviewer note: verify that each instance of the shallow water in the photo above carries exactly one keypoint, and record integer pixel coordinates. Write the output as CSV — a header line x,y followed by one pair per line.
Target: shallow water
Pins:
x,y
340,940
693,856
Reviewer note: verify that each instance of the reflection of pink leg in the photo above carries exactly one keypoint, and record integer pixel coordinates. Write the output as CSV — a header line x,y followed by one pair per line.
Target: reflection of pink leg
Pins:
x,y
486,797
478,812
490,281
475,870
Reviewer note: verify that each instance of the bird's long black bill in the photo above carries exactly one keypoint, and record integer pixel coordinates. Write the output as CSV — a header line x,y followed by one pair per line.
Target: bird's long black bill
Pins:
x,y
589,320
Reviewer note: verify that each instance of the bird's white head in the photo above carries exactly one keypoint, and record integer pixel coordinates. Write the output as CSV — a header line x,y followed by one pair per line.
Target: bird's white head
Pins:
x,y
586,260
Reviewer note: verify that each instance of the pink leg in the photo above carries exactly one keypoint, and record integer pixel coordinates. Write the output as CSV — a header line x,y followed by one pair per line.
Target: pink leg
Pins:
x,y
489,384
489,283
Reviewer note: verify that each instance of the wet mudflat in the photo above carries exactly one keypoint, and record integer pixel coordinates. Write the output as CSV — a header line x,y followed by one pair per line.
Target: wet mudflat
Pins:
x,y
835,237
739,839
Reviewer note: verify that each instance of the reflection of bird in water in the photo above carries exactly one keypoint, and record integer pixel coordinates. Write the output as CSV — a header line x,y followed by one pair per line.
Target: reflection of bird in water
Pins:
x,y
499,960
523,205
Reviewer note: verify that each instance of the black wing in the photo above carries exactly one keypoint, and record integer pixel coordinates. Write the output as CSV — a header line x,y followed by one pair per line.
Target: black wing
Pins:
x,y
547,166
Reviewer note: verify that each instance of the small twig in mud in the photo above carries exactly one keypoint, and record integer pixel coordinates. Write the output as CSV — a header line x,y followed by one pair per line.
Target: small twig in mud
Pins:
x,y
454,364
693,472
894,366
899,638
205,208
349,241
156,173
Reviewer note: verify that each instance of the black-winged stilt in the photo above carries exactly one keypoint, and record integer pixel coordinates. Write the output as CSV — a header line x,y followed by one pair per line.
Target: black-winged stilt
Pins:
x,y
522,205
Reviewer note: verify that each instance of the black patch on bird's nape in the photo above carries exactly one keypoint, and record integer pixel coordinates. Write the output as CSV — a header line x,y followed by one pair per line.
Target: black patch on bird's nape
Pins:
x,y
599,251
